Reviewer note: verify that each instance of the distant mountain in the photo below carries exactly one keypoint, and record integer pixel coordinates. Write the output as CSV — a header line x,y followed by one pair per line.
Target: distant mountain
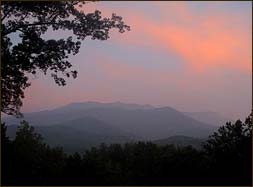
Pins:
x,y
73,111
92,105
79,134
93,126
181,141
93,122
212,118
152,123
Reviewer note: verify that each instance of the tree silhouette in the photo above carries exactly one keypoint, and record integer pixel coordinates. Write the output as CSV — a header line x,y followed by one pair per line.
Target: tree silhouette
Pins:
x,y
224,160
230,152
7,155
30,20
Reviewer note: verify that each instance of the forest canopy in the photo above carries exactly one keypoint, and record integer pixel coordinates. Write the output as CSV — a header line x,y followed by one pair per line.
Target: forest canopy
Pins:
x,y
225,159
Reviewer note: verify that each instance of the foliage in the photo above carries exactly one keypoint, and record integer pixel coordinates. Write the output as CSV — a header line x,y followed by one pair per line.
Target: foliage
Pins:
x,y
224,160
31,20
230,150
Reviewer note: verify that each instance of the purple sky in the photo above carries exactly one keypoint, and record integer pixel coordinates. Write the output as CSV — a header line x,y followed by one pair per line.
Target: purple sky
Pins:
x,y
193,56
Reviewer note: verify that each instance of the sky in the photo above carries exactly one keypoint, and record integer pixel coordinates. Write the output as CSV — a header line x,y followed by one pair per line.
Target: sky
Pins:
x,y
192,56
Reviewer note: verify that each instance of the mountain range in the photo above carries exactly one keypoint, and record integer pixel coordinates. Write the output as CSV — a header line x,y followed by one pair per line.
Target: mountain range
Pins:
x,y
78,126
212,118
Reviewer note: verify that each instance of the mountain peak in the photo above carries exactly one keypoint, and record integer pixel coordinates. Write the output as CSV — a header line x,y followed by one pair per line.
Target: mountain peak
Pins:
x,y
94,104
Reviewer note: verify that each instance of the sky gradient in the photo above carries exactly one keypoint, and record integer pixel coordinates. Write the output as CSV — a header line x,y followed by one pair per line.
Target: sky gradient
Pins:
x,y
192,56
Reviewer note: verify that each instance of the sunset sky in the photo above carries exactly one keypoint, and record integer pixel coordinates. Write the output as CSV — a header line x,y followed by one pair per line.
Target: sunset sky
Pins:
x,y
192,56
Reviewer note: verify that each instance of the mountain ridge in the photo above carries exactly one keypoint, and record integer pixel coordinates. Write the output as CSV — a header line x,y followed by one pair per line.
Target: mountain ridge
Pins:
x,y
88,124
142,120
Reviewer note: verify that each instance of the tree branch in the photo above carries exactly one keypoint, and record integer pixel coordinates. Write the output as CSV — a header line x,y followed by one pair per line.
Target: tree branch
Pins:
x,y
27,25
6,15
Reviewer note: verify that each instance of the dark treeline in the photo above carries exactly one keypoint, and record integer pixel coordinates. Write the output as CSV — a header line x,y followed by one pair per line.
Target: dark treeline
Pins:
x,y
225,159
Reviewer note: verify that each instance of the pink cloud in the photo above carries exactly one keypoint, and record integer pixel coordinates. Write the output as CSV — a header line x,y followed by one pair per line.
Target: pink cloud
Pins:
x,y
123,71
204,41
208,43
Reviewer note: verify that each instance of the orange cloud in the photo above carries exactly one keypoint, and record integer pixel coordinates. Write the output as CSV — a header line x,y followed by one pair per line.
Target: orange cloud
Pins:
x,y
211,40
204,41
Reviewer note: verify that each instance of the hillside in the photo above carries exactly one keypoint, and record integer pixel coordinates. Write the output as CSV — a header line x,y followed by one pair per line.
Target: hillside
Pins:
x,y
78,135
88,124
212,118
181,141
